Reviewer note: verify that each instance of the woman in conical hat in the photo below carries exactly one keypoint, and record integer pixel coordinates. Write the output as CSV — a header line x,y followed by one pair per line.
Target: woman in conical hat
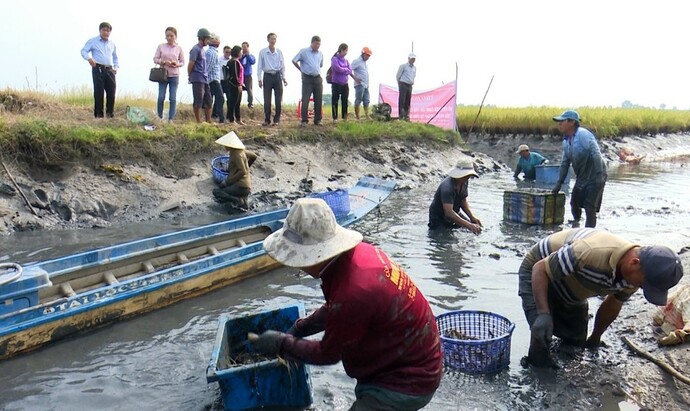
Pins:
x,y
238,185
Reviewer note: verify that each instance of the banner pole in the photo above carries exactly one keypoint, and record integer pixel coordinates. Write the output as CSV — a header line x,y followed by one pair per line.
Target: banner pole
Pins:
x,y
480,107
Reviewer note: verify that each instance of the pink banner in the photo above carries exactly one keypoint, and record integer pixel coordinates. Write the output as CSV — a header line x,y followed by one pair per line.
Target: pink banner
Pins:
x,y
435,106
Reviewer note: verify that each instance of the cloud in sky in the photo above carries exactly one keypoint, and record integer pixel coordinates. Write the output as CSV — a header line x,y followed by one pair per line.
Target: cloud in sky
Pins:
x,y
541,52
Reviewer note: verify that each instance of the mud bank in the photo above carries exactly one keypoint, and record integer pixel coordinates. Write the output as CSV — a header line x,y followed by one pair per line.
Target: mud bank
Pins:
x,y
78,196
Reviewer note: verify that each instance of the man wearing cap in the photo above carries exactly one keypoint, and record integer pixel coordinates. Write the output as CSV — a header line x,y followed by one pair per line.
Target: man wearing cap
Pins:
x,y
581,150
563,270
376,320
198,76
527,162
101,54
451,197
238,185
215,75
406,74
361,74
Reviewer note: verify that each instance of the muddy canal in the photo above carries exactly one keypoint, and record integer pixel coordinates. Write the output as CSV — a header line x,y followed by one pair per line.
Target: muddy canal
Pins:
x,y
158,361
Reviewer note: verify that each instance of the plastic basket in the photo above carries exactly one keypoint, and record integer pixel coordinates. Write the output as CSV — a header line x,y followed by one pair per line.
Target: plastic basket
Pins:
x,y
338,201
219,167
481,343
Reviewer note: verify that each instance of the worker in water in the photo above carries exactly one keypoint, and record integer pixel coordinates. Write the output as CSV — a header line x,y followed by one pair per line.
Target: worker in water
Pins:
x,y
376,320
527,162
451,197
237,186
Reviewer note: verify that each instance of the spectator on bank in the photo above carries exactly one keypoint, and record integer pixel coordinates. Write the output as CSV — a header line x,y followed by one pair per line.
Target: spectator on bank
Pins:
x,y
170,56
198,76
309,61
360,70
406,75
235,85
101,54
271,72
215,75
248,61
340,69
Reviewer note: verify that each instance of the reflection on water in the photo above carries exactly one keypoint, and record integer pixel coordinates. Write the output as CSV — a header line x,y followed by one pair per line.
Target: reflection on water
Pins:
x,y
158,360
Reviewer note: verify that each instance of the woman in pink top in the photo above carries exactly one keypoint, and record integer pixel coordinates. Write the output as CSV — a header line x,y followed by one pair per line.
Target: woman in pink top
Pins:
x,y
341,70
169,55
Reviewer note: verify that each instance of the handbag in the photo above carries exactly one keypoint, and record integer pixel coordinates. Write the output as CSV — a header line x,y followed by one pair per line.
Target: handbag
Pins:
x,y
158,75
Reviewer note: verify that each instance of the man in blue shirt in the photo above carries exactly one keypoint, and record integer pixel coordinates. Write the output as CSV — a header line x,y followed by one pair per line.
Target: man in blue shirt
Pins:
x,y
527,162
101,54
198,76
581,150
248,61
309,62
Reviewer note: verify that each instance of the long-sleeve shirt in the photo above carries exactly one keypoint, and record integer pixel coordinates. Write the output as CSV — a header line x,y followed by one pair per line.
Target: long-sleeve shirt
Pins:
x,y
310,61
166,52
377,322
238,168
341,70
361,72
270,62
582,152
406,73
527,165
247,63
101,51
212,66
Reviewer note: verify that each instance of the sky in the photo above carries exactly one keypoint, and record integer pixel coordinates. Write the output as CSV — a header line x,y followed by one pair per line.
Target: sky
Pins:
x,y
541,53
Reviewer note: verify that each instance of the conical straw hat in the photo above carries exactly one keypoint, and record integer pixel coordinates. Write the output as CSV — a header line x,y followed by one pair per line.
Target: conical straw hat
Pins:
x,y
231,140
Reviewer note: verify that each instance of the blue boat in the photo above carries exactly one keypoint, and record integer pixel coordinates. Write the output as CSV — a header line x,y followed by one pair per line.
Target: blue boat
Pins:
x,y
50,300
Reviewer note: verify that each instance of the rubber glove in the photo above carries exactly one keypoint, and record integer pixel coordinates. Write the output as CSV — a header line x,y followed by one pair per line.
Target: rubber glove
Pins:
x,y
556,189
542,329
269,342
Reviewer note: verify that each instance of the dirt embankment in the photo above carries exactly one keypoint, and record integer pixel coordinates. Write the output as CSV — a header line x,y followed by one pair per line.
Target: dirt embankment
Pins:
x,y
113,190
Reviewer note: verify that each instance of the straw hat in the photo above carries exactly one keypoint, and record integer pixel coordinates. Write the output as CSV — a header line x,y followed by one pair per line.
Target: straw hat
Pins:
x,y
523,147
231,140
464,168
310,235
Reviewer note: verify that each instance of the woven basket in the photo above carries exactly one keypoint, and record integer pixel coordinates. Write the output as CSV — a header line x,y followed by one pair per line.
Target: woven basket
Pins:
x,y
475,341
338,201
219,167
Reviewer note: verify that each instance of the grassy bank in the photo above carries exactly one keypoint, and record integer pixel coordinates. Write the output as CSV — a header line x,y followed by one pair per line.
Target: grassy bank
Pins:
x,y
45,129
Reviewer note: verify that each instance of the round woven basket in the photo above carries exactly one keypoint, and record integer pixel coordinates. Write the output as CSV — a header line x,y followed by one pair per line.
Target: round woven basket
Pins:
x,y
475,341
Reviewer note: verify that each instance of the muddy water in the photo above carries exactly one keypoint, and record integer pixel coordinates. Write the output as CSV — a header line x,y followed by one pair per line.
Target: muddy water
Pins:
x,y
158,361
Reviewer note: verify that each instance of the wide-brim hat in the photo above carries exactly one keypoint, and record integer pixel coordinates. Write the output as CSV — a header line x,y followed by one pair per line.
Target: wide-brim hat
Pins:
x,y
463,168
310,235
231,140
662,270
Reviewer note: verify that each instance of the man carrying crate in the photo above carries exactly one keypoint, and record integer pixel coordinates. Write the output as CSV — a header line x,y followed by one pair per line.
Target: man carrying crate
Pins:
x,y
563,270
376,321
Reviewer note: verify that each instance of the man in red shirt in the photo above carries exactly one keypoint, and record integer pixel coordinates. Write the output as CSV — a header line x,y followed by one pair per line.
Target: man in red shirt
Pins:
x,y
375,319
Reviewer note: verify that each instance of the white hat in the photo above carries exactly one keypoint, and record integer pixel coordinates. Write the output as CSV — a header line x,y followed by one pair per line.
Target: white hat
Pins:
x,y
411,56
523,147
231,140
310,235
464,168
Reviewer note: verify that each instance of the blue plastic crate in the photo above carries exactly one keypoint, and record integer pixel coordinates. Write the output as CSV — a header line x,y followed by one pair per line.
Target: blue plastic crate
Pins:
x,y
547,174
475,341
338,201
265,383
219,167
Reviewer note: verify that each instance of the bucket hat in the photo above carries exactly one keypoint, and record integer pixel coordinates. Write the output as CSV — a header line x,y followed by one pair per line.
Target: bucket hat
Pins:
x,y
231,140
463,168
310,235
662,270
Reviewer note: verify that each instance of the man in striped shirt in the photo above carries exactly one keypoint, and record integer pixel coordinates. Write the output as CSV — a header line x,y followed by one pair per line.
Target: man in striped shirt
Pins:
x,y
563,270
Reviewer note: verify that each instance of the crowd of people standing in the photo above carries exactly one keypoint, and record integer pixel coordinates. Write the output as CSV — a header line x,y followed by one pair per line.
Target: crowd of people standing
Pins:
x,y
219,78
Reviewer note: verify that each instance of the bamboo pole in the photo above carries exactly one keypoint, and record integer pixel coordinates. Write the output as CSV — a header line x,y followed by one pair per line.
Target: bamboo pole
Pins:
x,y
664,366
469,133
26,200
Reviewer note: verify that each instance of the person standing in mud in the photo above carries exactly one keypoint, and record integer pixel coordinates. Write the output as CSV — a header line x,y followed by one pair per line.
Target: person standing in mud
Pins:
x,y
563,270
405,77
581,150
527,162
395,354
101,54
451,197
237,186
